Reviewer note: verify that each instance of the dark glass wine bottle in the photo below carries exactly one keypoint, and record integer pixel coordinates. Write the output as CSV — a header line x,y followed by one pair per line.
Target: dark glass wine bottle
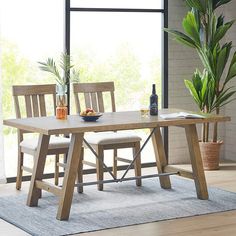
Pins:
x,y
154,102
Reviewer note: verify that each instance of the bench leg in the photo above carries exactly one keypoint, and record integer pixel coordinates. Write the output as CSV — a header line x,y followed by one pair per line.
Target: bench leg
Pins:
x,y
71,170
39,163
19,169
160,156
196,161
137,163
80,172
99,164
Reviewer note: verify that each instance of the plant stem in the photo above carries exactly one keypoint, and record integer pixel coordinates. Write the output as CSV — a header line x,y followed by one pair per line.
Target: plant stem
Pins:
x,y
215,130
205,128
207,132
203,133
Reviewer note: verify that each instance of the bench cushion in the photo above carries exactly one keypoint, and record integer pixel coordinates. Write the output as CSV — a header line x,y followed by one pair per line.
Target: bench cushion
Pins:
x,y
103,138
55,142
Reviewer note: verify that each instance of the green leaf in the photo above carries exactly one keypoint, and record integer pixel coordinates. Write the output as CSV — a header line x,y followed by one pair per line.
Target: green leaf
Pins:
x,y
220,21
204,89
184,42
206,61
50,66
211,60
213,29
223,104
218,3
181,37
191,28
222,60
224,99
196,4
211,95
224,92
193,91
232,70
221,31
197,83
65,66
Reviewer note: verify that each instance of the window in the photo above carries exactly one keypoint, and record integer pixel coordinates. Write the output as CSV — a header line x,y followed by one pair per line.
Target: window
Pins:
x,y
121,47
31,31
120,41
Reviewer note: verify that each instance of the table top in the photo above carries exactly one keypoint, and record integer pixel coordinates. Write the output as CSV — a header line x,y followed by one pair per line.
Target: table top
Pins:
x,y
109,121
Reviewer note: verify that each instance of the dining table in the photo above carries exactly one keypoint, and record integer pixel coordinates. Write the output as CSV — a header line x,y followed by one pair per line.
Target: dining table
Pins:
x,y
111,121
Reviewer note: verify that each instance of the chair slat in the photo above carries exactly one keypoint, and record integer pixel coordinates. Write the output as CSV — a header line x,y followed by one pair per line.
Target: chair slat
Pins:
x,y
17,107
100,102
113,101
94,101
42,105
77,103
87,100
54,103
28,106
35,105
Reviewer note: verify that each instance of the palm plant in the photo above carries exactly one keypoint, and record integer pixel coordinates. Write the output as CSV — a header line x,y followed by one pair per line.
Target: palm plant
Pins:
x,y
61,73
204,31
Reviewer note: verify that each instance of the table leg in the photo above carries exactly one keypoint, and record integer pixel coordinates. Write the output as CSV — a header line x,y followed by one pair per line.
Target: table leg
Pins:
x,y
160,156
196,161
71,169
39,163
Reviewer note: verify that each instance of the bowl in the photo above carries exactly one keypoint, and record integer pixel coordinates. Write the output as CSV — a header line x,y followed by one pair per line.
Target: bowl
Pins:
x,y
91,118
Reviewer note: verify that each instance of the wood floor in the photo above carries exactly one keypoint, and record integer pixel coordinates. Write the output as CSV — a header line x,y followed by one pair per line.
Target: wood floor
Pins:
x,y
206,225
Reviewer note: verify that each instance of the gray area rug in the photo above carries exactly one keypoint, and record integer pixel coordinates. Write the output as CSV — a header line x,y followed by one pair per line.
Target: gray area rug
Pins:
x,y
118,205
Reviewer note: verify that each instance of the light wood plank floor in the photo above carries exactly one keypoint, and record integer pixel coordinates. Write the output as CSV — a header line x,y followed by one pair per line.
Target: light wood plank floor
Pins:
x,y
207,225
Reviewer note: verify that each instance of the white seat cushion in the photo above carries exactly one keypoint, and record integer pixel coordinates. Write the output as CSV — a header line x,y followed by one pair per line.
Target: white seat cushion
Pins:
x,y
55,142
103,138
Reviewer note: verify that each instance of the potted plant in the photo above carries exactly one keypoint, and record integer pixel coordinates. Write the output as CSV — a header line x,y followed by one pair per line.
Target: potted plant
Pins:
x,y
62,76
211,90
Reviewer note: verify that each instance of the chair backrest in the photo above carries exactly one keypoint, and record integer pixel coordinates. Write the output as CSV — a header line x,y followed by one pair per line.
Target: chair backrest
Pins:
x,y
34,99
94,95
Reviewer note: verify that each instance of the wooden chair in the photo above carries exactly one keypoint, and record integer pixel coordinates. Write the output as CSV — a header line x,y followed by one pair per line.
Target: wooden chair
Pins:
x,y
93,97
35,106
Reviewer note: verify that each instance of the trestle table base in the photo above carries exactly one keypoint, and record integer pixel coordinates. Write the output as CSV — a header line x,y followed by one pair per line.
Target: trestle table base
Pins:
x,y
65,192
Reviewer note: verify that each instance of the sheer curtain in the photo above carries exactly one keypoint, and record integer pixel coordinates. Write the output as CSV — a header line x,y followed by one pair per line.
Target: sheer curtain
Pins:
x,y
2,165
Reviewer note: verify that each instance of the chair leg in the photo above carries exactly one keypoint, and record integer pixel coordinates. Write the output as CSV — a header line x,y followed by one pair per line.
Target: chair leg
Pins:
x,y
80,172
115,162
137,164
19,169
56,174
99,165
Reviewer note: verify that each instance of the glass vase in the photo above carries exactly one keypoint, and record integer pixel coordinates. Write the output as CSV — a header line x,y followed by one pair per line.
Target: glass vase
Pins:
x,y
61,102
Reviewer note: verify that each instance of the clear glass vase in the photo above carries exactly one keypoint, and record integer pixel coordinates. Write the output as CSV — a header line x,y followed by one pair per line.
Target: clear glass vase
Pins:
x,y
61,102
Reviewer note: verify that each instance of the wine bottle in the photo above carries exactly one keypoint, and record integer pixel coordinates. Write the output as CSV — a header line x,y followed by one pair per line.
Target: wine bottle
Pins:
x,y
154,102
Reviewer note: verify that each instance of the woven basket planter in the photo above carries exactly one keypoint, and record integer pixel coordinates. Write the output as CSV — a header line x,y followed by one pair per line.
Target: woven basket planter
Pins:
x,y
210,155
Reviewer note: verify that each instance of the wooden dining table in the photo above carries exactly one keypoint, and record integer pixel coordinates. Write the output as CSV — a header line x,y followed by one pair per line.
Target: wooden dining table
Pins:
x,y
114,121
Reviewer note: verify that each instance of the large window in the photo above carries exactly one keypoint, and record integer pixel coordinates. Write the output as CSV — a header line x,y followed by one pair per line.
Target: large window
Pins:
x,y
121,47
109,40
120,41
